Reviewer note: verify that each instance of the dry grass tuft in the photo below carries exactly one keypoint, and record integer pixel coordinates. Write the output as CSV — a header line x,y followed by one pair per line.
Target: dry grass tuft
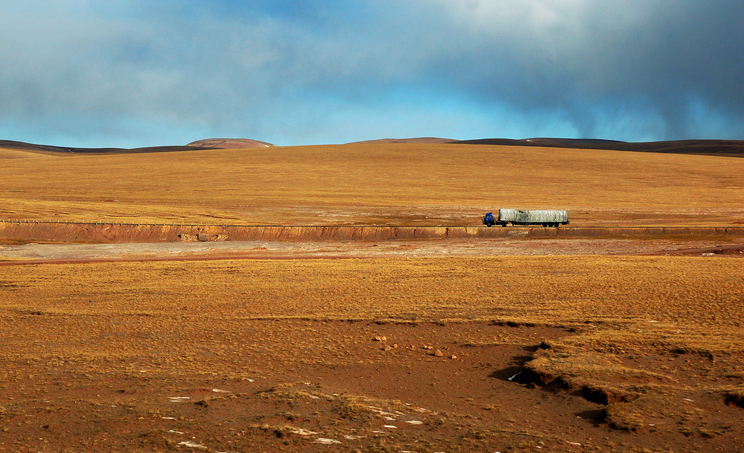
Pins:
x,y
624,416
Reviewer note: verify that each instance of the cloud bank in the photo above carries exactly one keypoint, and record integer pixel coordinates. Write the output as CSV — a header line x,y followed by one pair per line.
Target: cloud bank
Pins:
x,y
135,73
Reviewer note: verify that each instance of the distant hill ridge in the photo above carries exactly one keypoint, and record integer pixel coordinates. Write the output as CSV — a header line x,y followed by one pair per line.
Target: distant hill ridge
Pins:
x,y
409,140
211,143
730,148
9,144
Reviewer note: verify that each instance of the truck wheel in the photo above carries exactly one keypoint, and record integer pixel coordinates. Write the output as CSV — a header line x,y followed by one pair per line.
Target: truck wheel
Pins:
x,y
503,224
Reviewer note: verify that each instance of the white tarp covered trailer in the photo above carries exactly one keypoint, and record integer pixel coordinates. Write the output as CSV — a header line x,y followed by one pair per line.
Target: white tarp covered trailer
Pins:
x,y
534,217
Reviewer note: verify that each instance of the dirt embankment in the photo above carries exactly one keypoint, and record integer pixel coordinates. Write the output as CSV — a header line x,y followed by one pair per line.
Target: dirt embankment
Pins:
x,y
112,232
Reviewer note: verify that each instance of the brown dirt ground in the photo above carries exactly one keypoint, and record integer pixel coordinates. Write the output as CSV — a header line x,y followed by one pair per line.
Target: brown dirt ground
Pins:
x,y
62,252
388,395
342,387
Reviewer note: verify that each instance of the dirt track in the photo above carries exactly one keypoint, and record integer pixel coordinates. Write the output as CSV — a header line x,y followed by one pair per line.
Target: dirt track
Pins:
x,y
34,253
42,242
27,231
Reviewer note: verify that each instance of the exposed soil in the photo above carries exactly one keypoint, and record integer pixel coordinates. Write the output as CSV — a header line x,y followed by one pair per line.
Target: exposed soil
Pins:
x,y
354,386
37,253
362,385
720,250
482,240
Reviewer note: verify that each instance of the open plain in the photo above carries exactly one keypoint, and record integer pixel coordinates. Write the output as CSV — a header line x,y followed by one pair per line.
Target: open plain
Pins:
x,y
346,298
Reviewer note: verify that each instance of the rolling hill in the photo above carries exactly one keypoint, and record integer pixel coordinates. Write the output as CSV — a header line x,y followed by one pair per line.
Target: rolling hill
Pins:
x,y
731,148
389,184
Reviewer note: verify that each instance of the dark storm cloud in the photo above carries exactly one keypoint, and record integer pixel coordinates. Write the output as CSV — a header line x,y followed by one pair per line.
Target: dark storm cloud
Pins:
x,y
612,59
329,71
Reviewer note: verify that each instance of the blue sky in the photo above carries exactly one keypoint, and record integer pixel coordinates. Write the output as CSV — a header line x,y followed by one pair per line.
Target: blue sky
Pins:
x,y
133,73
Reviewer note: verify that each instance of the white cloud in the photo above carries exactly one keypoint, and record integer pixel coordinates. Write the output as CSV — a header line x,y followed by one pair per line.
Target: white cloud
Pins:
x,y
622,69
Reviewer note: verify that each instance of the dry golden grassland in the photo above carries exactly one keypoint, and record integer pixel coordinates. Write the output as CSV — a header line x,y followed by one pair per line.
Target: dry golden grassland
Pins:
x,y
390,184
702,292
656,341
633,317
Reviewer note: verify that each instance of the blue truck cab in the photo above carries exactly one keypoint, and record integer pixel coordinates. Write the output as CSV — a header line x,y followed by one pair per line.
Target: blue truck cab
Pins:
x,y
488,219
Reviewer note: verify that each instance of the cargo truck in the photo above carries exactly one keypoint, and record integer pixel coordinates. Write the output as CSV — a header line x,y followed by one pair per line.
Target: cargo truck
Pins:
x,y
517,217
